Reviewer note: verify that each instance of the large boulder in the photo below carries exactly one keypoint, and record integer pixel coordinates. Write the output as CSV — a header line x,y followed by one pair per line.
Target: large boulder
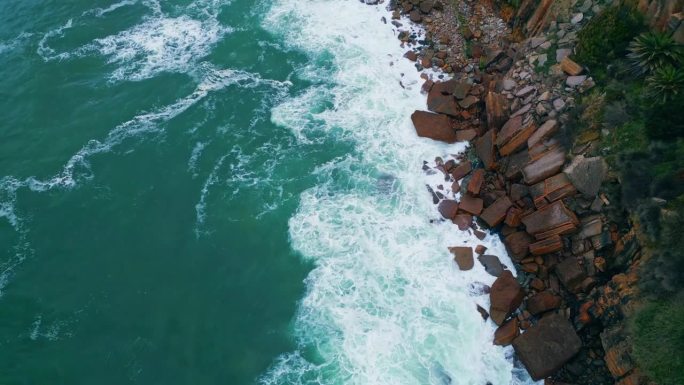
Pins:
x,y
587,174
546,346
506,333
543,302
433,126
505,296
553,219
492,264
518,245
445,103
570,273
496,212
463,257
448,208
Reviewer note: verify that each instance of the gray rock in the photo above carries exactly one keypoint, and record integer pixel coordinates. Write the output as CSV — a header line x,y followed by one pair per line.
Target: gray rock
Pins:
x,y
491,264
587,174
576,18
524,91
543,58
559,104
574,81
562,53
508,84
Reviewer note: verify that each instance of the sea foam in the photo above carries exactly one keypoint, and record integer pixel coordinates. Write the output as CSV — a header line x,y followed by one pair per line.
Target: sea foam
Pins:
x,y
385,303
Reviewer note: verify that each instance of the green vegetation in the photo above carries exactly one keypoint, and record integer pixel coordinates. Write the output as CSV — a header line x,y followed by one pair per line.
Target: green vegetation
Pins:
x,y
638,108
607,36
659,341
653,50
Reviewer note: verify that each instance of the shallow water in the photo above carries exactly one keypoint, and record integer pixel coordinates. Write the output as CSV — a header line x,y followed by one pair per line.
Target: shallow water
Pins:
x,y
224,192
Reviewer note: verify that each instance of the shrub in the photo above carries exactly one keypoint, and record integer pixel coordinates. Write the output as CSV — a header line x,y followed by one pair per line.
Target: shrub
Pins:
x,y
615,114
658,331
607,35
665,84
653,50
665,121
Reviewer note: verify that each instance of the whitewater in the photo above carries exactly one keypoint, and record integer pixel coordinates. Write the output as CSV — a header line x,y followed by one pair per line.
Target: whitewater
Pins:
x,y
385,303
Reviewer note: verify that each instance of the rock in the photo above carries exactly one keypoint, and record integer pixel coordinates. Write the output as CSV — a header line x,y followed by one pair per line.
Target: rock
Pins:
x,y
412,56
466,135
552,189
574,81
559,104
518,191
524,91
546,246
461,90
426,6
570,274
496,110
461,170
433,126
415,16
537,284
480,249
441,102
448,208
554,219
475,182
484,147
463,221
463,257
491,264
496,212
587,174
518,244
543,167
471,204
515,163
543,302
544,131
562,53
508,84
483,312
514,135
505,297
468,101
570,67
546,346
506,333
576,18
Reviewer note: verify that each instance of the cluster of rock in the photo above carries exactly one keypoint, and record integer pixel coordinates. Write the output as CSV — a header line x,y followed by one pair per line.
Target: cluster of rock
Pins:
x,y
541,194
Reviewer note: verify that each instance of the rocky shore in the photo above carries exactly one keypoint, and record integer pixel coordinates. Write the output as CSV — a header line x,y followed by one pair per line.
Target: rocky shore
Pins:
x,y
511,92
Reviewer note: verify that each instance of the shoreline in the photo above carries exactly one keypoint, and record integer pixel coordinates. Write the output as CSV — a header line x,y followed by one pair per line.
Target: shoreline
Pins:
x,y
523,179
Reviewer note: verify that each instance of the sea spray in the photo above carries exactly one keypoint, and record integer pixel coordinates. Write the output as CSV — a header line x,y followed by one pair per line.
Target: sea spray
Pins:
x,y
384,303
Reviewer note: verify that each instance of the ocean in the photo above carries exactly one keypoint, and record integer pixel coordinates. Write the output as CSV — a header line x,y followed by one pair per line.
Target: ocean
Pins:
x,y
225,192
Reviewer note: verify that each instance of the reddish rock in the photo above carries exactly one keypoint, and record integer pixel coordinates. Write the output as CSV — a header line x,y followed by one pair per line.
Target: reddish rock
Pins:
x,y
547,346
484,147
433,126
476,182
531,268
545,166
496,212
463,221
455,187
463,257
513,217
570,273
461,170
518,244
514,135
543,302
515,163
466,135
480,249
537,284
552,189
471,204
479,234
442,103
505,297
496,110
547,246
554,219
412,56
448,208
506,333
544,131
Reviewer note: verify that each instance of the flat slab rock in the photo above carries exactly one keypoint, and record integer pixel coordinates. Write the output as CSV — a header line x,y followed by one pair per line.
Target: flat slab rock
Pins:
x,y
434,126
463,257
546,346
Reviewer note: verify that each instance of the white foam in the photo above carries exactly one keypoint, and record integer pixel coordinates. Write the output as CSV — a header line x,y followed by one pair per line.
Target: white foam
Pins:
x,y
384,303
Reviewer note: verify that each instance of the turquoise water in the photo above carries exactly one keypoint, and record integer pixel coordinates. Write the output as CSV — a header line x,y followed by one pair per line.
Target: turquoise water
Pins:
x,y
204,192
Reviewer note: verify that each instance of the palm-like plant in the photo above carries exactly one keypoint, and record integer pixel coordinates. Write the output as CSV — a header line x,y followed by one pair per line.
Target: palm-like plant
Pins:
x,y
651,50
665,83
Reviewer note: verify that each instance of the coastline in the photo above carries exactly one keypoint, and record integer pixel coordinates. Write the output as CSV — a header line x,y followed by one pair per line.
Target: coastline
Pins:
x,y
525,178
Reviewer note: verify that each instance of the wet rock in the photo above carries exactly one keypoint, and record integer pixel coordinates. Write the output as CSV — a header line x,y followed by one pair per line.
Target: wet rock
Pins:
x,y
412,56
587,174
546,346
506,333
463,221
492,264
448,208
471,205
505,297
482,312
518,244
543,302
570,274
415,16
463,257
461,170
433,126
496,212
442,103
480,249
475,182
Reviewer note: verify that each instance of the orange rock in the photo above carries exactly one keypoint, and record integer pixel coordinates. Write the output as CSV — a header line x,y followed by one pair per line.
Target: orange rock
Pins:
x,y
496,212
570,67
476,182
463,257
506,333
